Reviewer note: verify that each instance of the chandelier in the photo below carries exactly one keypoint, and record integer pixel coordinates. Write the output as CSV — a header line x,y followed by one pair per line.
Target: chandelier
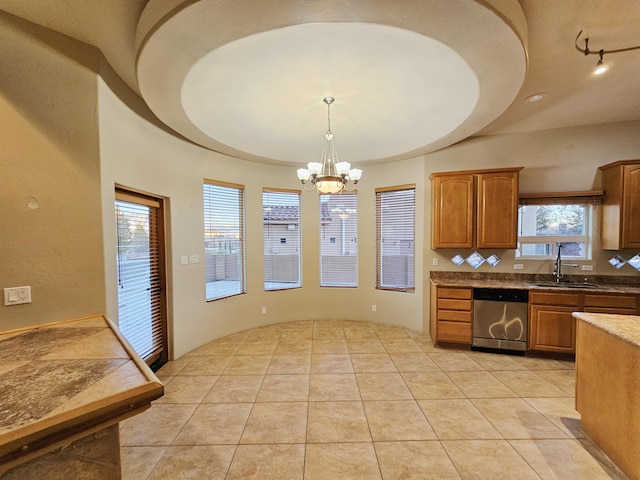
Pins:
x,y
329,175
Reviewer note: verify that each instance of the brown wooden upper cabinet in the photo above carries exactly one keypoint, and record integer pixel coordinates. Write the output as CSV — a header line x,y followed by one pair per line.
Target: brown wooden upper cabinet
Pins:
x,y
475,209
621,209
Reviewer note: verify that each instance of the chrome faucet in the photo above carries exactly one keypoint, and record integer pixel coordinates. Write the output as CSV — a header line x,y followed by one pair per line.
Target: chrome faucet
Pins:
x,y
557,267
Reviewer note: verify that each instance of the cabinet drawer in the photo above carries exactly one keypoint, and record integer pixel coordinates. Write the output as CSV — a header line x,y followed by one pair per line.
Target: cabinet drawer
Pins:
x,y
450,304
554,298
454,315
460,293
610,301
454,332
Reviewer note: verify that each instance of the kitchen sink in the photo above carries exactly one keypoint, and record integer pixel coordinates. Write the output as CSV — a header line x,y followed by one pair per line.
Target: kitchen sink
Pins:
x,y
567,285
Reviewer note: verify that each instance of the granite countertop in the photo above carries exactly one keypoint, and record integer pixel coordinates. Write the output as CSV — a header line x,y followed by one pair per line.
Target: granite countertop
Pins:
x,y
625,327
66,379
572,283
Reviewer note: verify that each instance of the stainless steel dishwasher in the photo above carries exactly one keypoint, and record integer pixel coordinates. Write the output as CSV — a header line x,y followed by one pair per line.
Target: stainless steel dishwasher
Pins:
x,y
500,318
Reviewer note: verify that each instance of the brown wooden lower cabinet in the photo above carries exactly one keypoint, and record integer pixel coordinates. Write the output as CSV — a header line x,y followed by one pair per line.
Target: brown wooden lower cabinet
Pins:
x,y
451,314
552,329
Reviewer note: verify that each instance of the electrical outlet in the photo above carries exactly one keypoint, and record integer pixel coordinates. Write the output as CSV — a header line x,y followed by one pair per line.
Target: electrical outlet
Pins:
x,y
184,259
434,261
17,295
588,268
374,308
518,266
194,258
264,310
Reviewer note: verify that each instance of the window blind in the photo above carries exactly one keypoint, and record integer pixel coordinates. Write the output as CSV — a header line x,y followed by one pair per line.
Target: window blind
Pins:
x,y
338,240
282,240
139,276
224,242
395,238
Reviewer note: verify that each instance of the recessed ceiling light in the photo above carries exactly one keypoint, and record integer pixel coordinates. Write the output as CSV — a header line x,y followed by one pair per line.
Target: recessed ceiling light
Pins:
x,y
536,97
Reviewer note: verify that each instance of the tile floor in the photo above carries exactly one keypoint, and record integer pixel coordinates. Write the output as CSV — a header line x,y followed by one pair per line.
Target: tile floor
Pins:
x,y
353,400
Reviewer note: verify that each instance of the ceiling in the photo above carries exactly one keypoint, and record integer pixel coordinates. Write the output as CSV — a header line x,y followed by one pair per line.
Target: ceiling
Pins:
x,y
248,78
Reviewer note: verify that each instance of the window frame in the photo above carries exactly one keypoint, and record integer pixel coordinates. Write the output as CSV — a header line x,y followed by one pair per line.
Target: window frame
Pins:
x,y
587,200
329,243
240,232
379,264
278,238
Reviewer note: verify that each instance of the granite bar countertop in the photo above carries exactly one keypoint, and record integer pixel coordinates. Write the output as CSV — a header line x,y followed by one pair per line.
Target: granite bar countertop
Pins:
x,y
524,281
625,327
64,380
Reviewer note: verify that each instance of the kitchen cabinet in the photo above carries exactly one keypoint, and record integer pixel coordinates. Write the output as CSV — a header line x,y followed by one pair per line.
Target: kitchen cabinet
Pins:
x,y
621,208
551,325
552,328
475,209
451,314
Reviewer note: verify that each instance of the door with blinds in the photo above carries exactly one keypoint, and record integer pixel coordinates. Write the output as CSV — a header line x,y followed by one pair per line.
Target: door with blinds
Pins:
x,y
141,274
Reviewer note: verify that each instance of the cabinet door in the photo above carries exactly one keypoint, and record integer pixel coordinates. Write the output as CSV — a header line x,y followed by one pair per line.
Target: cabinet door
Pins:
x,y
452,211
552,329
631,207
497,210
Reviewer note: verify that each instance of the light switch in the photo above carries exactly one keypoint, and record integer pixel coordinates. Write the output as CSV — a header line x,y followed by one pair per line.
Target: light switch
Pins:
x,y
194,258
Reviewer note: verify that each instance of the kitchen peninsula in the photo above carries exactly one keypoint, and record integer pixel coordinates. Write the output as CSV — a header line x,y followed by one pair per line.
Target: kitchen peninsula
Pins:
x,y
65,386
608,385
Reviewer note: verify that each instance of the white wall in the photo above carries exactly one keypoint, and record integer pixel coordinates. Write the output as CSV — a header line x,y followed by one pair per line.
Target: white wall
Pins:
x,y
137,154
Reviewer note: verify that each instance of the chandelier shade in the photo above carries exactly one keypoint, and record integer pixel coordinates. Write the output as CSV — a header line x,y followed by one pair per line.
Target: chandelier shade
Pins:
x,y
329,175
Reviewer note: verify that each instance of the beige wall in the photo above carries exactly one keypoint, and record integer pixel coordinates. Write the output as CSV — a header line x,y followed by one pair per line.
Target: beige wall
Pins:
x,y
69,135
49,160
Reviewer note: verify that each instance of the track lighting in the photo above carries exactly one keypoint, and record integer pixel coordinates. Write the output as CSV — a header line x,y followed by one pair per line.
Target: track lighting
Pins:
x,y
601,67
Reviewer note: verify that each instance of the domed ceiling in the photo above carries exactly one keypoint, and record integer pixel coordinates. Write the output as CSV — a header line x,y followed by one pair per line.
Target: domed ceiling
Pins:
x,y
248,78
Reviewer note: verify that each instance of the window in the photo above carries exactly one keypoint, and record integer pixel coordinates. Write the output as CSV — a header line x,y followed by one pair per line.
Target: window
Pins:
x,y
338,240
395,238
224,249
542,226
281,220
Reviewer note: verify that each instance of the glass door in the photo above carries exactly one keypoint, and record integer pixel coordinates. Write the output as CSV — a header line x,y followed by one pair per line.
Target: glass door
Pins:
x,y
141,275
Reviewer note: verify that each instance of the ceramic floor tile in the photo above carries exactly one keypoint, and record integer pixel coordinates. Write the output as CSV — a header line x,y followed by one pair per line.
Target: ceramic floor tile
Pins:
x,y
331,363
137,462
538,363
516,419
528,383
453,361
480,385
209,365
158,425
401,345
561,412
290,364
329,346
382,386
293,347
360,333
458,419
348,461
397,420
492,361
248,365
276,423
284,388
415,460
257,347
267,462
235,389
327,333
562,459
372,345
337,422
173,367
565,380
220,347
372,363
296,334
186,389
333,387
390,331
425,385
488,459
215,424
211,462
413,362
